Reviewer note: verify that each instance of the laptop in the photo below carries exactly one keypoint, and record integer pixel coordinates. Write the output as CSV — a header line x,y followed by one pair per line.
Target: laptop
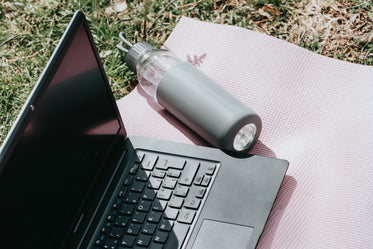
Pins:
x,y
71,177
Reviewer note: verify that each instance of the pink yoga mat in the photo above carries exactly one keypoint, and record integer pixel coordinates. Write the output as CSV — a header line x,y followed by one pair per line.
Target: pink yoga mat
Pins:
x,y
317,113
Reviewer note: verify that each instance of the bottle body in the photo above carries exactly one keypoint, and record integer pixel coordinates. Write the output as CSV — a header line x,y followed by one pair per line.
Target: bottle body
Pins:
x,y
198,101
207,108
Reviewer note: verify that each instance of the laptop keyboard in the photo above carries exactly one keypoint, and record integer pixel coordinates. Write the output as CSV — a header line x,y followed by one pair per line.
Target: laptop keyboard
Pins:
x,y
157,202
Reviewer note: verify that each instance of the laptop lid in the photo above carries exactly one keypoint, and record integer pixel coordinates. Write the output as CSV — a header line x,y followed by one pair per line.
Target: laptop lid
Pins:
x,y
62,150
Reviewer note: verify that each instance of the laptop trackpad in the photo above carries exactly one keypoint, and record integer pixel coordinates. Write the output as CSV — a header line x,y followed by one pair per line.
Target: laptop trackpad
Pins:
x,y
221,235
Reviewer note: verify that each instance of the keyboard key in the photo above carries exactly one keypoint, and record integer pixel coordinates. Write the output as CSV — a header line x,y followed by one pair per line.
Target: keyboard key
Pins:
x,y
117,203
176,202
144,206
206,180
133,229
169,183
106,227
162,163
149,228
139,156
149,194
161,237
128,180
166,225
189,172
165,162
137,186
134,169
132,198
210,169
181,191
164,194
177,163
138,217
154,183
149,161
159,173
198,180
121,220
100,240
177,236
186,216
154,217
128,241
200,192
112,215
110,244
116,232
143,240
122,192
192,203
159,205
137,247
142,175
171,213
157,246
174,173
127,209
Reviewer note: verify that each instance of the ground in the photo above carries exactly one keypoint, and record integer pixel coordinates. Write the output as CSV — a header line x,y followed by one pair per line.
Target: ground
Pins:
x,y
30,30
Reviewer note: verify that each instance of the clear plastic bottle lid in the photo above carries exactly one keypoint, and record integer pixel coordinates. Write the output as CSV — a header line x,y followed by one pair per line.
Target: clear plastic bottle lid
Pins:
x,y
136,52
244,137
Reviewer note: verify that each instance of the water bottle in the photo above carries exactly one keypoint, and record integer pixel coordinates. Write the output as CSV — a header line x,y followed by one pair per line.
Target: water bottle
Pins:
x,y
193,98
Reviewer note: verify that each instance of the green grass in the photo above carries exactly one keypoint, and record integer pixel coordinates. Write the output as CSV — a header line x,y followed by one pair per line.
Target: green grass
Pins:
x,y
30,30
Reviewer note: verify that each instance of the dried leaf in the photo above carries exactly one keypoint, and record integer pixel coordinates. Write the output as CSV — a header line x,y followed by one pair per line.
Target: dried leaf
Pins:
x,y
343,41
103,54
271,10
189,5
167,15
234,3
370,37
264,13
116,7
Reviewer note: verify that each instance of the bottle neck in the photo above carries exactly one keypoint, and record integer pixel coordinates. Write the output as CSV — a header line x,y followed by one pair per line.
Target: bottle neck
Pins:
x,y
152,67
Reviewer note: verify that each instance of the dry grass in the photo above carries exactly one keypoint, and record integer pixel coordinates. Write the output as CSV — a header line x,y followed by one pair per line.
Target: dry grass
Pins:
x,y
339,28
342,29
335,28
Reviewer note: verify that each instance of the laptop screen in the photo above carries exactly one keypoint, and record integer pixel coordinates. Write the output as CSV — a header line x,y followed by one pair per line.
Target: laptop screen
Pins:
x,y
59,151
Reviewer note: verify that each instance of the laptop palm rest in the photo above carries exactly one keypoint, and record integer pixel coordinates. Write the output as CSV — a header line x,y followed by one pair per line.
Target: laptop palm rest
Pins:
x,y
221,235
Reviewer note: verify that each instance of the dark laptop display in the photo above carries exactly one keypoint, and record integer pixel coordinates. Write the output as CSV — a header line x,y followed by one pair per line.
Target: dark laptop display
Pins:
x,y
58,153
71,178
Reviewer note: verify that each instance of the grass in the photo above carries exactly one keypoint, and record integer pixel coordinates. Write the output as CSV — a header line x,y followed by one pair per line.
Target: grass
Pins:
x,y
30,30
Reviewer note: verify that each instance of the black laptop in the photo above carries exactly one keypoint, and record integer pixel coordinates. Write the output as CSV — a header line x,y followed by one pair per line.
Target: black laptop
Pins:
x,y
70,177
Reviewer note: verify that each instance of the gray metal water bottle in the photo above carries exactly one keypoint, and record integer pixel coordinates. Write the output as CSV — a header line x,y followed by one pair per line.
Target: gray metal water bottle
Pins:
x,y
193,98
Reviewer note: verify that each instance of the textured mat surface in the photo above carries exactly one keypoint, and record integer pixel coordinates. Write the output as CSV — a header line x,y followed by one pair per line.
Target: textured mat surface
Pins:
x,y
317,113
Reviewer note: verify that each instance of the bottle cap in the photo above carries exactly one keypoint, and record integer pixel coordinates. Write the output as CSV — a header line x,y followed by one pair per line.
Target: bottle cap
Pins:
x,y
135,52
245,137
